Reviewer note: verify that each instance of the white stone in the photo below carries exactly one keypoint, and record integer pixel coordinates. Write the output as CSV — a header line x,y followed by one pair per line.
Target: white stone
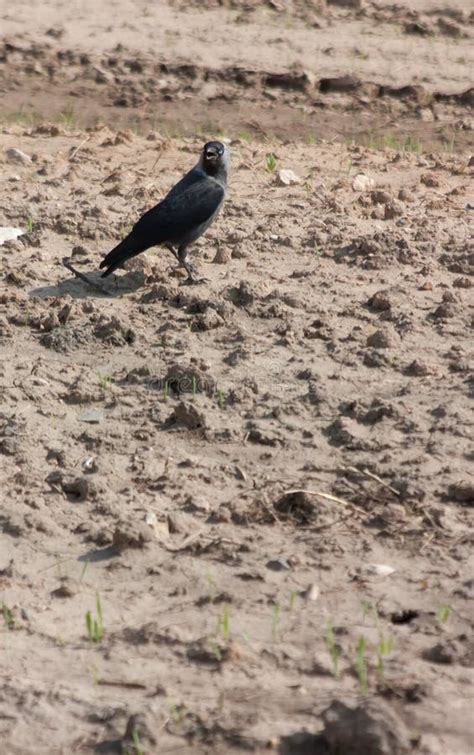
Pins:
x,y
381,570
362,182
17,156
288,178
8,233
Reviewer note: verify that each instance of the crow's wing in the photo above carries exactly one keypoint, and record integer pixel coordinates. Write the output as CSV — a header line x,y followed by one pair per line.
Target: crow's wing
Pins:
x,y
180,211
189,204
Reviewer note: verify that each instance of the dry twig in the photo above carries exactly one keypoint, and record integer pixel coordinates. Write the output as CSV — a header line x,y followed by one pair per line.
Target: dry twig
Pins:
x,y
327,497
374,477
79,147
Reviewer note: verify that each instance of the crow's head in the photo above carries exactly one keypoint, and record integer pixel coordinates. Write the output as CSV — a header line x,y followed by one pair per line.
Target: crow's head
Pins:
x,y
215,159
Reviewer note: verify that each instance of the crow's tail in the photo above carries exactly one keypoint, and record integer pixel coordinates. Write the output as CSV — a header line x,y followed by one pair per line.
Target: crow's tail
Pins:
x,y
128,248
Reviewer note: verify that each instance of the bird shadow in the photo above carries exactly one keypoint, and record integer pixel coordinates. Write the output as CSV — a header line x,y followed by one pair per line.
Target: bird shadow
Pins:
x,y
95,287
109,747
303,743
99,554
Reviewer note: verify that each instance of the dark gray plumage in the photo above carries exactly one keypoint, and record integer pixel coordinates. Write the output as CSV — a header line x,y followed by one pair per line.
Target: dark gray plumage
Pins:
x,y
182,216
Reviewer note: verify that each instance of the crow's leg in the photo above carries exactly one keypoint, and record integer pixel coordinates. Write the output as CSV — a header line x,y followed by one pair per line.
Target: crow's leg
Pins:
x,y
182,250
183,262
173,251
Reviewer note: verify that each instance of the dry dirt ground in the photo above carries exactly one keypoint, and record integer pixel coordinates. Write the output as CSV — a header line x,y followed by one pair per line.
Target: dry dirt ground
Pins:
x,y
258,489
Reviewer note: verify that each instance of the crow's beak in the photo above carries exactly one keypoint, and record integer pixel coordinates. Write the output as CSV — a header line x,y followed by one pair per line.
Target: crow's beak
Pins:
x,y
211,154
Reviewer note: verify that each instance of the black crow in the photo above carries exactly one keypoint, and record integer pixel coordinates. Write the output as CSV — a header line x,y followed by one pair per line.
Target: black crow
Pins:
x,y
182,216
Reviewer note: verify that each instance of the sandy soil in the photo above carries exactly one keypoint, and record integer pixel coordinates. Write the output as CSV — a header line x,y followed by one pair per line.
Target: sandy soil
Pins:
x,y
265,480
290,69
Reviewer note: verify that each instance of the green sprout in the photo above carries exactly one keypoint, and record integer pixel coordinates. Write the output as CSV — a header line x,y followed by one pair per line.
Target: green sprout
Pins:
x,y
68,117
270,162
292,600
221,398
137,748
413,145
245,136
332,648
95,626
384,649
368,610
84,570
8,616
223,623
276,616
361,666
104,380
177,711
443,613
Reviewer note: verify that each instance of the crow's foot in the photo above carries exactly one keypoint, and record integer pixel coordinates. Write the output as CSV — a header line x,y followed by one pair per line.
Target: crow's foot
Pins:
x,y
193,281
